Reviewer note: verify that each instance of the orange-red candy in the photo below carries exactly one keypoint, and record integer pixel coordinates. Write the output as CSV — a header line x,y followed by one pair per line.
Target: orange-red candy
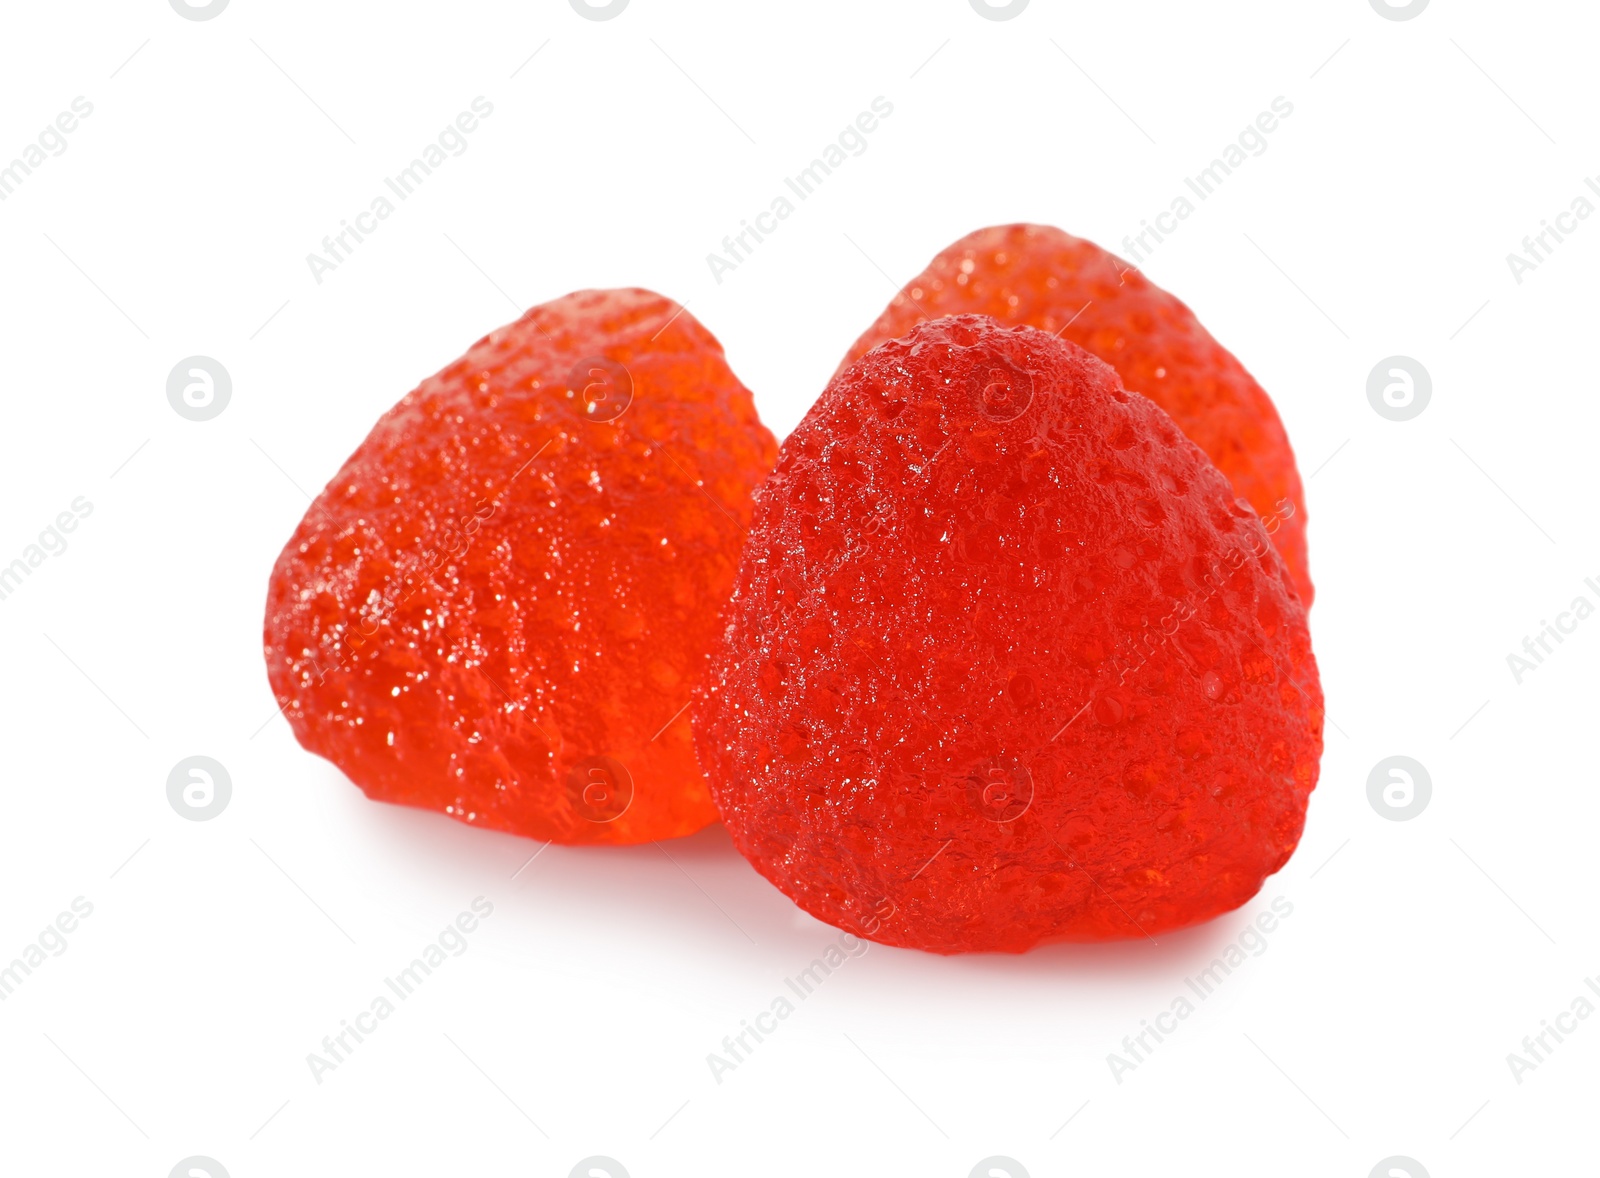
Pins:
x,y
499,606
1039,276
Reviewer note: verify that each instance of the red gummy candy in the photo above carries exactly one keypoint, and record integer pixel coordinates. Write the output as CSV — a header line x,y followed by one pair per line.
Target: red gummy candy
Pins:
x,y
1040,276
1006,661
500,604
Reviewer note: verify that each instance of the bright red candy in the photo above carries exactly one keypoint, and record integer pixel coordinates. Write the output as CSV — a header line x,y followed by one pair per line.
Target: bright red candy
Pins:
x,y
498,607
1040,276
1006,661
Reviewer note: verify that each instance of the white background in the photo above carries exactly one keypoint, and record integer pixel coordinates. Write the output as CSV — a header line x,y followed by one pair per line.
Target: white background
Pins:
x,y
178,220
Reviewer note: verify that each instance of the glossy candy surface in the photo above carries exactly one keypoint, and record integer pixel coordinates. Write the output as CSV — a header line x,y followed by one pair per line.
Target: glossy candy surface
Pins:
x,y
498,607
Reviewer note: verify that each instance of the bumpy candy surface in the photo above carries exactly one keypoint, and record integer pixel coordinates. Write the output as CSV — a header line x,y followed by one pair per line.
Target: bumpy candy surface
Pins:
x,y
498,607
1007,661
1040,276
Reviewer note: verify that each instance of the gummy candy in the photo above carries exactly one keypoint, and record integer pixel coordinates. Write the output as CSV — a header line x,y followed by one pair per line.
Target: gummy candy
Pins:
x,y
1006,660
498,607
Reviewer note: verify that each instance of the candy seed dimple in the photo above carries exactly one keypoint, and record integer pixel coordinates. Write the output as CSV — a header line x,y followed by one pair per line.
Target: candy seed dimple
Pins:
x,y
1148,512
